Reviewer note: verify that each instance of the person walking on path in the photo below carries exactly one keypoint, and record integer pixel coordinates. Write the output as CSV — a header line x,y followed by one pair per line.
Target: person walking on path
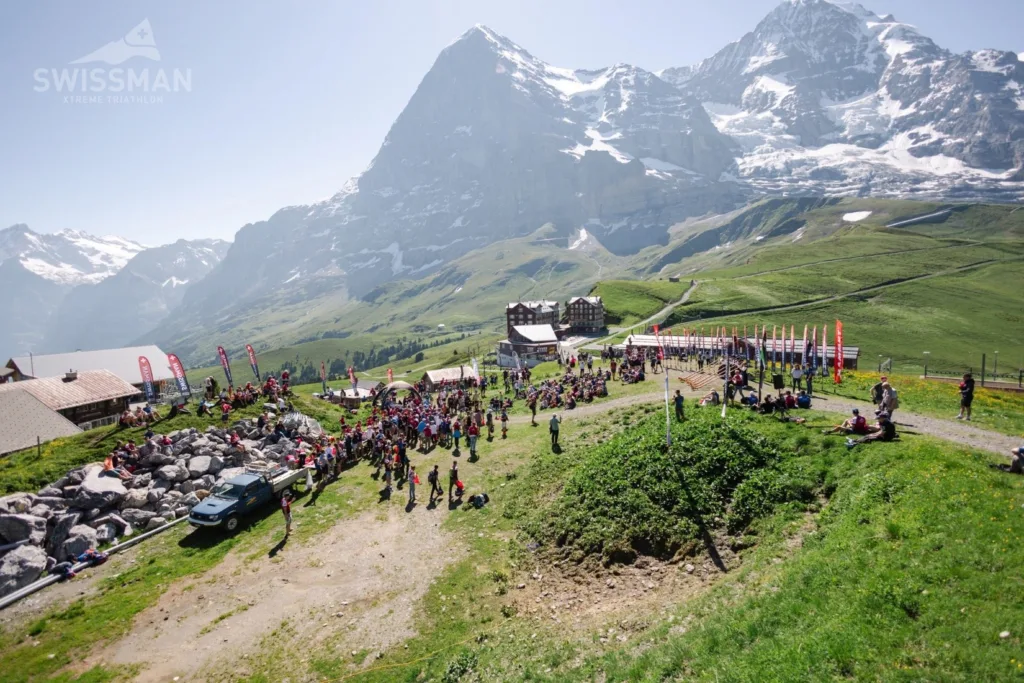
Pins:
x,y
553,427
966,397
412,484
286,509
679,406
433,478
533,411
453,478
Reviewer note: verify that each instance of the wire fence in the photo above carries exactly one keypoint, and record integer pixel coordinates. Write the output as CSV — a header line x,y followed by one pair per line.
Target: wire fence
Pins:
x,y
986,370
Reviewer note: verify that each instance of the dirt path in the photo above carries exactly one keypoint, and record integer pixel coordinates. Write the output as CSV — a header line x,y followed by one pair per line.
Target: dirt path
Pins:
x,y
950,430
358,583
664,311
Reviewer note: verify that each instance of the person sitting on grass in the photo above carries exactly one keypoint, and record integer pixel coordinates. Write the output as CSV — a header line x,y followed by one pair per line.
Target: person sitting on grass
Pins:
x,y
803,400
112,467
1017,460
710,399
884,430
857,424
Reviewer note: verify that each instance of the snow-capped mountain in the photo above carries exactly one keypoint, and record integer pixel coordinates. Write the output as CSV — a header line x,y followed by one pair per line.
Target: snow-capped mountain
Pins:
x,y
72,291
68,257
829,97
115,311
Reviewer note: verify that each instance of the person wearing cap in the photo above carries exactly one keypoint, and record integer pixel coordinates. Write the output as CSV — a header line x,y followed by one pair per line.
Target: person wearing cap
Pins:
x,y
884,430
855,425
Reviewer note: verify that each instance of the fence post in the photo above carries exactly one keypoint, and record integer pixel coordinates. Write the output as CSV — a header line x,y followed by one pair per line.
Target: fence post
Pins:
x,y
982,369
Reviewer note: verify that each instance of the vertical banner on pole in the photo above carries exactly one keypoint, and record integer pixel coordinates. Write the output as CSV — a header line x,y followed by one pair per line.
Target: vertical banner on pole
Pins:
x,y
775,351
178,370
353,380
391,376
792,346
824,350
668,419
814,351
803,349
252,362
323,376
839,353
223,355
146,370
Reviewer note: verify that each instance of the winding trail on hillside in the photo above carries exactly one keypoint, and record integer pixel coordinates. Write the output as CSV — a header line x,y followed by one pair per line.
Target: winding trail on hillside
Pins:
x,y
856,292
970,243
664,311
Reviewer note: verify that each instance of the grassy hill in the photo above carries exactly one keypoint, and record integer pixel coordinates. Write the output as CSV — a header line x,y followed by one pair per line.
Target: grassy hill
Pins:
x,y
947,286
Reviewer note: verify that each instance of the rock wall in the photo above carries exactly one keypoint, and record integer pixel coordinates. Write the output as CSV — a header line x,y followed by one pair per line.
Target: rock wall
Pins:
x,y
88,509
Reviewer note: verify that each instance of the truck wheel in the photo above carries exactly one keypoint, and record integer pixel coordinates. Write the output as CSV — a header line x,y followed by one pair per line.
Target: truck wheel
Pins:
x,y
231,523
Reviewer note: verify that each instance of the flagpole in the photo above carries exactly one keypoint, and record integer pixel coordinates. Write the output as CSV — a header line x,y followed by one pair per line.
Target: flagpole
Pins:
x,y
668,419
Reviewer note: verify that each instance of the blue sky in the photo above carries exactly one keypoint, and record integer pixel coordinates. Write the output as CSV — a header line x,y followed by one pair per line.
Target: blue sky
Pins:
x,y
289,100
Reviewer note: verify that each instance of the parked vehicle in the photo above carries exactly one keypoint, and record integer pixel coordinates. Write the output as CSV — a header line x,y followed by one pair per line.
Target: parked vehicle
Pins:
x,y
242,495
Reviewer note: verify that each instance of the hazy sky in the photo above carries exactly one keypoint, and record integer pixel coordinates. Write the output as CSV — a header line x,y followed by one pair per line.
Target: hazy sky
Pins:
x,y
290,99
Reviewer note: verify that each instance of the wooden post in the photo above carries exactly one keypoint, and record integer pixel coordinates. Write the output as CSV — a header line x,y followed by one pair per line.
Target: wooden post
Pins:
x,y
982,369
39,448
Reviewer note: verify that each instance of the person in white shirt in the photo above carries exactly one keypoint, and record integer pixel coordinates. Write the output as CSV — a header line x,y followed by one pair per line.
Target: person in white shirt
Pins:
x,y
798,377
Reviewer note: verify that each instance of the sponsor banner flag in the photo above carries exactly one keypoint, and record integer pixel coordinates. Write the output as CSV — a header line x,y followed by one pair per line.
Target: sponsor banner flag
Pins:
x,y
323,376
179,375
775,349
391,376
839,352
225,364
814,350
252,362
824,350
792,345
352,378
804,349
146,370
476,370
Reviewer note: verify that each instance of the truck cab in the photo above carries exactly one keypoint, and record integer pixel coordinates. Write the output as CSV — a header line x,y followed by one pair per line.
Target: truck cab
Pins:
x,y
231,500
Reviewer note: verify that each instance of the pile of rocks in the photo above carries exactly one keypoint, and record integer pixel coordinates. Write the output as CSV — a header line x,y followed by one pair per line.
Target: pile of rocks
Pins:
x,y
87,509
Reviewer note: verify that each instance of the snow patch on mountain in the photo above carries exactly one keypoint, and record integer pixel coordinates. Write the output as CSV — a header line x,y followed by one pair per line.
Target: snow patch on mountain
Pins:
x,y
580,240
856,216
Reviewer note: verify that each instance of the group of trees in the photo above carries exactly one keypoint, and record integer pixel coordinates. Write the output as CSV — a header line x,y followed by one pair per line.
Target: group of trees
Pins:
x,y
309,371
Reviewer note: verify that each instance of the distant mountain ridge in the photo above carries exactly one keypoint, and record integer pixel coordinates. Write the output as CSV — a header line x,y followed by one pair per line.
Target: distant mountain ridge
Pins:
x,y
71,290
822,98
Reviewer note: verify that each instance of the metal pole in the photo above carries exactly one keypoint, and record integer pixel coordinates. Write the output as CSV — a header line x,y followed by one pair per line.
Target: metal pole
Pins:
x,y
982,369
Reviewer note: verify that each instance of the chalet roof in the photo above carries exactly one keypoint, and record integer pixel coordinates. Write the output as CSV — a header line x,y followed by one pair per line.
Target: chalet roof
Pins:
x,y
122,362
57,393
707,342
26,419
538,334
539,306
593,300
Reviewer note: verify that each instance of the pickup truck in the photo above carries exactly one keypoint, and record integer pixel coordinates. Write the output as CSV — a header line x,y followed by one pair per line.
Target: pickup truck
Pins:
x,y
242,495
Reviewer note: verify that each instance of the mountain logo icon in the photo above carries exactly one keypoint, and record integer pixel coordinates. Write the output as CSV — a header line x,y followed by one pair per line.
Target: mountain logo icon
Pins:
x,y
138,42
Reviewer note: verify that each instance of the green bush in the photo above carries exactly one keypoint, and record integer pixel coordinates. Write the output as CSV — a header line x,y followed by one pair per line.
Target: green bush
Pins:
x,y
631,496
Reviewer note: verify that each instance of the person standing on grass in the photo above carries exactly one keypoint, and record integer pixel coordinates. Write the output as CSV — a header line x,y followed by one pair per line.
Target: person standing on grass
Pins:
x,y
533,411
890,400
412,484
679,406
798,377
474,433
453,478
966,397
435,486
810,382
553,427
286,509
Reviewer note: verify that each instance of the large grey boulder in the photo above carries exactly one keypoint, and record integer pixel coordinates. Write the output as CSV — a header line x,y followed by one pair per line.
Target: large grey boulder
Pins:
x,y
137,518
157,522
229,473
99,490
141,481
21,527
52,491
135,498
186,487
172,473
20,567
61,530
198,466
80,539
53,502
16,503
38,510
216,464
106,533
191,500
158,458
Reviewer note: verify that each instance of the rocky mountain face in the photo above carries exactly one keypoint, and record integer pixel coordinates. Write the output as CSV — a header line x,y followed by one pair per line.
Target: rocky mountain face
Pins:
x,y
828,97
72,290
114,311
